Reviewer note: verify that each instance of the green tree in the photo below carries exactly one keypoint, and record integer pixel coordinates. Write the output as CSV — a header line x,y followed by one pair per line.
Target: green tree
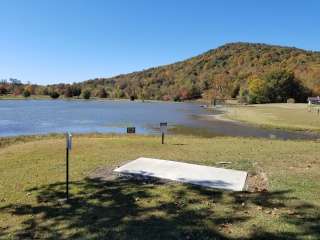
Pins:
x,y
257,90
54,95
26,93
282,84
86,94
76,90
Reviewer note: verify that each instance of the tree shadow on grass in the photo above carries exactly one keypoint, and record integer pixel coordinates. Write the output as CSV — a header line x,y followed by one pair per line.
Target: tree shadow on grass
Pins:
x,y
130,209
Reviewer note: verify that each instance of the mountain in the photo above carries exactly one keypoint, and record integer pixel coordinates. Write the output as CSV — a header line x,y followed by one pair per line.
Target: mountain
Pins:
x,y
221,72
255,73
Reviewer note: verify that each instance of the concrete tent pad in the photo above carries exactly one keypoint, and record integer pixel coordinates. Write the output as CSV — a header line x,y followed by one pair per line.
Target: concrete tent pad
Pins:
x,y
185,172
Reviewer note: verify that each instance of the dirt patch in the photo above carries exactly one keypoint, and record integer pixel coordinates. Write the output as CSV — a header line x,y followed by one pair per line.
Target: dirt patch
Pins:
x,y
257,182
104,173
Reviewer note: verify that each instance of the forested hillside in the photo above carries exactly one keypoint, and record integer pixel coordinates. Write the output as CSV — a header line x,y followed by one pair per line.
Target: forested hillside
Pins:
x,y
252,72
223,72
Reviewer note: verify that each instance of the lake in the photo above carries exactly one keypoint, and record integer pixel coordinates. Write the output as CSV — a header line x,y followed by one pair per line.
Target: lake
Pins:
x,y
28,117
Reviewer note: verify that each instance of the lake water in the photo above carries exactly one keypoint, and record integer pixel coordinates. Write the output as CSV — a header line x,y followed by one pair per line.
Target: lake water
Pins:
x,y
27,117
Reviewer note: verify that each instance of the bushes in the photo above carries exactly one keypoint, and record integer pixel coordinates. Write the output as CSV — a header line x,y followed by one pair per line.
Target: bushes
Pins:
x,y
54,95
3,90
72,91
76,90
86,94
26,93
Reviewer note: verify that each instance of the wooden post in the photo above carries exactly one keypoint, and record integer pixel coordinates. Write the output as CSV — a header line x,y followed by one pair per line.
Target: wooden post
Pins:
x,y
162,138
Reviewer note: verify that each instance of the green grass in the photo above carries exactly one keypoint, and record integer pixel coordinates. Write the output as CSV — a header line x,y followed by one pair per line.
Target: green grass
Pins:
x,y
20,97
284,116
32,182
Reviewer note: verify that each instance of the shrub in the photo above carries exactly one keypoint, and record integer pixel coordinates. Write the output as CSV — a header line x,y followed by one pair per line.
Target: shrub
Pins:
x,y
86,94
76,91
3,90
26,93
54,95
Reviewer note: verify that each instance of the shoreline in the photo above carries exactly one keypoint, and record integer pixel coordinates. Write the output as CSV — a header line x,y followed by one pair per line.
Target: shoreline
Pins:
x,y
99,100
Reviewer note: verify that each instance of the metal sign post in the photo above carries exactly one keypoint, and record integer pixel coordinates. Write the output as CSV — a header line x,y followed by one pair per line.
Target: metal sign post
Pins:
x,y
68,147
163,130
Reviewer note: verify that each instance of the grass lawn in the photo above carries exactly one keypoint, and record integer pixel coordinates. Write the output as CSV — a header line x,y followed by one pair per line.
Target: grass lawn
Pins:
x,y
32,175
285,116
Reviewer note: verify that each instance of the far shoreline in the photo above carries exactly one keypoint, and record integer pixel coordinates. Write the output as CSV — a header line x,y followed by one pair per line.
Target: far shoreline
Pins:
x,y
48,98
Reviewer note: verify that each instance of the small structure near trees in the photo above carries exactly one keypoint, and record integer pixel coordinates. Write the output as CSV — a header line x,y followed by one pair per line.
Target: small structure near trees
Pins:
x,y
314,100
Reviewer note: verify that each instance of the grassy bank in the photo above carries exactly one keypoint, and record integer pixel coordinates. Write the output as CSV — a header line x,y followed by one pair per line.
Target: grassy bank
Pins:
x,y
20,97
32,175
284,116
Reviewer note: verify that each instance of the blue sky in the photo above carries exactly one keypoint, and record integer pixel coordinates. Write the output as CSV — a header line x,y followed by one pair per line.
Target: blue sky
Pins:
x,y
51,41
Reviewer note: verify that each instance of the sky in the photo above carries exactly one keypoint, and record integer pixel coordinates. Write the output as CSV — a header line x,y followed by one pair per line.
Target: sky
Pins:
x,y
54,41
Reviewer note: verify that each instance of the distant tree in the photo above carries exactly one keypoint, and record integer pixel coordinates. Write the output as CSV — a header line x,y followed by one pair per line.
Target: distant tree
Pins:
x,y
68,92
30,88
102,93
316,89
54,95
243,96
15,81
235,91
118,93
18,91
86,94
257,90
3,81
3,89
76,90
184,94
282,84
26,93
45,91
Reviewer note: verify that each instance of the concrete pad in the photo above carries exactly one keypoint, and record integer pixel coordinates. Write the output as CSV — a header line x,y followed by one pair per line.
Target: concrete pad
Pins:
x,y
211,177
